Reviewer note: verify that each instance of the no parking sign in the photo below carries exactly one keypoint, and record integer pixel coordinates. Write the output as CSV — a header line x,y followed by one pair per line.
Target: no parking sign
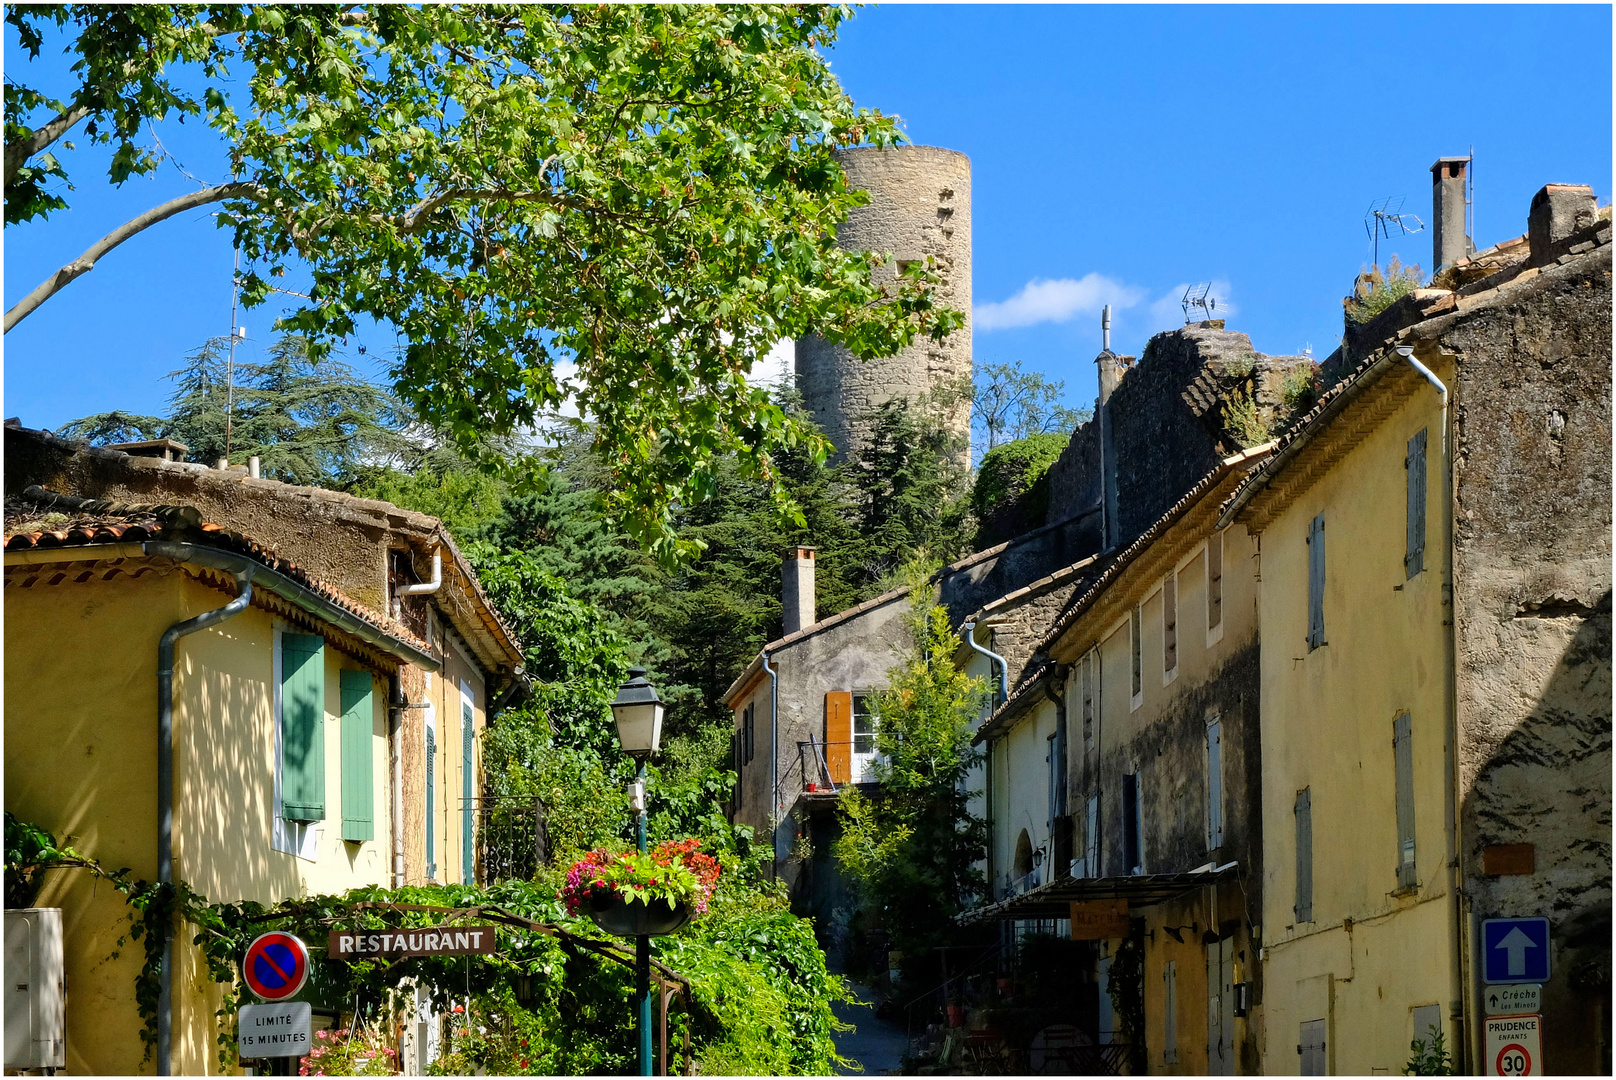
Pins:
x,y
276,966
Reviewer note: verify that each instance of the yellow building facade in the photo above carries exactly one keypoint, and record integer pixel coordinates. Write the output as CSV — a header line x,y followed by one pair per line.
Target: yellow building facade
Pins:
x,y
1359,939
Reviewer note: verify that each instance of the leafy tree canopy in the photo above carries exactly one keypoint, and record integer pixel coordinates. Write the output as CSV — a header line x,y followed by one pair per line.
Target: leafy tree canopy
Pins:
x,y
1011,403
647,192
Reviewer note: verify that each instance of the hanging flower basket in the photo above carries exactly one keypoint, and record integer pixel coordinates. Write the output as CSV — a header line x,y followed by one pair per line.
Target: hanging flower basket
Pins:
x,y
633,893
622,917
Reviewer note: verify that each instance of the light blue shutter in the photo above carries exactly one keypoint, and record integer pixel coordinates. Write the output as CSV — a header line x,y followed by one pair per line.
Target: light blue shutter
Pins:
x,y
302,727
1170,1015
1315,583
1311,1049
1403,766
467,853
358,788
1214,784
1414,559
1304,855
431,794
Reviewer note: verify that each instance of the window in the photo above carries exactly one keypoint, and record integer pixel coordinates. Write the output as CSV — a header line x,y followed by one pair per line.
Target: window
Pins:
x,y
1091,854
302,727
358,769
1170,1015
1315,583
1414,556
1403,770
431,793
864,727
1169,627
1086,688
1311,1049
1214,783
1214,584
1304,855
1133,858
747,719
1135,630
468,770
1427,1023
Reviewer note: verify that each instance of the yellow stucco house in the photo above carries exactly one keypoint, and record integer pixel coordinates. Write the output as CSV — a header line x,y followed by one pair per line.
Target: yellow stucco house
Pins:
x,y
287,711
1434,560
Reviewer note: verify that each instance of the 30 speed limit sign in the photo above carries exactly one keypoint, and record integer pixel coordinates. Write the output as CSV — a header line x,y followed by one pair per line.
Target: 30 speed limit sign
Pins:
x,y
1513,1046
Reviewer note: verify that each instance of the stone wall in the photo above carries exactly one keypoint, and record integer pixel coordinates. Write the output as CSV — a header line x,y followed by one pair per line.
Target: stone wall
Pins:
x,y
1168,423
919,209
1533,598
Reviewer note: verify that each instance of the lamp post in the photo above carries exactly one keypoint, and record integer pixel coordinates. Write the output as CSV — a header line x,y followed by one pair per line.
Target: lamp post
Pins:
x,y
638,712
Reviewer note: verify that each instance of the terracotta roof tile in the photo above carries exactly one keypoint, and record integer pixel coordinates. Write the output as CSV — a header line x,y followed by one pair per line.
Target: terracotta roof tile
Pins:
x,y
43,519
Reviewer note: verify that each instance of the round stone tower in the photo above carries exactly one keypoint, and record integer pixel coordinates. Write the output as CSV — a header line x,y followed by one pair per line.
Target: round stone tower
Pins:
x,y
919,208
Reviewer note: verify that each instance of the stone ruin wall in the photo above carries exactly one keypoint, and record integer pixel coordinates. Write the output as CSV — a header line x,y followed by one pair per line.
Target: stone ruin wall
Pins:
x,y
919,209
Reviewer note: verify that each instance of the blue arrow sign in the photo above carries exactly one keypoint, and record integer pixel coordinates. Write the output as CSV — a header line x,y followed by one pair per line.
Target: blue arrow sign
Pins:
x,y
1515,950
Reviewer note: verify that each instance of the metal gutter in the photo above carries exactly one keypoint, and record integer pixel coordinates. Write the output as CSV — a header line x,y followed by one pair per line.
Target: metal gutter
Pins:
x,y
969,630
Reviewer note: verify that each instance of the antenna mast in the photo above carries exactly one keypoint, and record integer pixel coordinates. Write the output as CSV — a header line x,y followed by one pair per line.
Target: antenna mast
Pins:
x,y
1385,217
230,363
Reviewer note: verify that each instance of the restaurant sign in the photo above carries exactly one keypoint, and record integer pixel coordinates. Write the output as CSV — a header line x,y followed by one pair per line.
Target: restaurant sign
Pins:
x,y
415,941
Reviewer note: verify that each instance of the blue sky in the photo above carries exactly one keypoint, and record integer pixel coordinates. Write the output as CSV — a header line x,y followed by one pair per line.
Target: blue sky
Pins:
x,y
1118,154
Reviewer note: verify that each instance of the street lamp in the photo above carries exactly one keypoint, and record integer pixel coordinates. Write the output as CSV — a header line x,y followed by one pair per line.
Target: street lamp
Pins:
x,y
638,712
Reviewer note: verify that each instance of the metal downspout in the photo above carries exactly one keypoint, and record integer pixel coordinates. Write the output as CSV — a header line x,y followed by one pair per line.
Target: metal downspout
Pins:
x,y
774,765
1459,1007
969,630
165,791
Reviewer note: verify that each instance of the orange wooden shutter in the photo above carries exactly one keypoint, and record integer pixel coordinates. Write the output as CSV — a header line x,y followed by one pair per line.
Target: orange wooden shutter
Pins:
x,y
839,735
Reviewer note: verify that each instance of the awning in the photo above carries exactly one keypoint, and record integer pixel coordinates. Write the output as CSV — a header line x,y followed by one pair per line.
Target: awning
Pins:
x,y
1054,900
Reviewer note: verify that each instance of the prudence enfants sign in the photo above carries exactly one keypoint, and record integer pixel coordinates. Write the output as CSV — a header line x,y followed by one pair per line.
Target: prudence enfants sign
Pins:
x,y
423,941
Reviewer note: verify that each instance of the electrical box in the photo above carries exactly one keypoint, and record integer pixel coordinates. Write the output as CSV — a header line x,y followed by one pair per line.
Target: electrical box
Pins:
x,y
35,997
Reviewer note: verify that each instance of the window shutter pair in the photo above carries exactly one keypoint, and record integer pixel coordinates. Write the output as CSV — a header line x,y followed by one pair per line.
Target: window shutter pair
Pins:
x,y
1403,766
1304,855
1414,558
1315,583
1214,581
839,735
1135,630
1170,1014
1132,833
303,738
1169,623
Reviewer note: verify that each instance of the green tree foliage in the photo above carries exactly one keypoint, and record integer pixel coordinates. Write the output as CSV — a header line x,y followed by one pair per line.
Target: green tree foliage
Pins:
x,y
1011,403
309,419
910,487
1011,492
911,847
647,192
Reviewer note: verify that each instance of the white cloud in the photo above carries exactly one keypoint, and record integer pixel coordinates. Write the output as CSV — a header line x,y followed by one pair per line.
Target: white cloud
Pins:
x,y
1042,301
1167,313
776,366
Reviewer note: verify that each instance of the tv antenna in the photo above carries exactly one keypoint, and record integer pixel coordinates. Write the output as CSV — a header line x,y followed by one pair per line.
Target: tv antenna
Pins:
x,y
1386,218
1198,296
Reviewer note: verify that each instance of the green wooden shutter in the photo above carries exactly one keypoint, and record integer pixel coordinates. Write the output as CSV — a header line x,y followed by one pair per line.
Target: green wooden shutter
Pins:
x,y
1414,559
1304,855
302,727
467,853
1403,767
1315,583
431,804
358,790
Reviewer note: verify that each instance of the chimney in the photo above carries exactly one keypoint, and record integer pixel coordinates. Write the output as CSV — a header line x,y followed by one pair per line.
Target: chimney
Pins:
x,y
1450,242
1558,211
1110,366
797,592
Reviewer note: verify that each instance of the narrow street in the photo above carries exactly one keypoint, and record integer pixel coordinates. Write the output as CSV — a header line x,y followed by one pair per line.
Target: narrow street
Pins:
x,y
875,1044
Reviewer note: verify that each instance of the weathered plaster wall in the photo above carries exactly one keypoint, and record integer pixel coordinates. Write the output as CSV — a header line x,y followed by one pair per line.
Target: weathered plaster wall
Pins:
x,y
919,209
1533,597
1168,425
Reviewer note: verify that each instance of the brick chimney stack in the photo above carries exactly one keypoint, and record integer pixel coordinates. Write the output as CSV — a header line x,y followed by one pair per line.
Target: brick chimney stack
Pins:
x,y
797,591
1450,242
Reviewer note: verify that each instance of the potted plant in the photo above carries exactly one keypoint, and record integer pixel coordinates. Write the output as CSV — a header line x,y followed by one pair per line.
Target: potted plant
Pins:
x,y
632,893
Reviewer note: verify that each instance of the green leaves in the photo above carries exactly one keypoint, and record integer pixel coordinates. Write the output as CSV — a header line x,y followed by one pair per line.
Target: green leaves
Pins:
x,y
644,192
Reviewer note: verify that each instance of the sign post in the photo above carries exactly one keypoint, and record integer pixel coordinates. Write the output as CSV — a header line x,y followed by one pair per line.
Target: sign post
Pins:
x,y
1514,1046
280,1029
